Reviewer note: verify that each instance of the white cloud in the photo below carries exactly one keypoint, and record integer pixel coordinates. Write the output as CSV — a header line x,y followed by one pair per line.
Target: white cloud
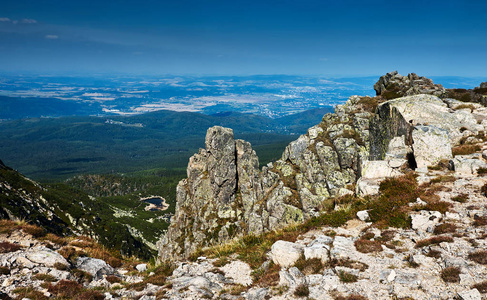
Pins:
x,y
323,59
4,20
28,21
52,37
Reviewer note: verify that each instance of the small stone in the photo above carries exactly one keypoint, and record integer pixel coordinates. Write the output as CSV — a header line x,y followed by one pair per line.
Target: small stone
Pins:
x,y
239,271
363,215
472,294
141,267
391,276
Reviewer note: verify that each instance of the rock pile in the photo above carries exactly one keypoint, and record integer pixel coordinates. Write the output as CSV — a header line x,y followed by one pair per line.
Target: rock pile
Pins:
x,y
393,85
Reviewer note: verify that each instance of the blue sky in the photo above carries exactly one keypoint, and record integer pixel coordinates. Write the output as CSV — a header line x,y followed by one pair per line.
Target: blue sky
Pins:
x,y
330,38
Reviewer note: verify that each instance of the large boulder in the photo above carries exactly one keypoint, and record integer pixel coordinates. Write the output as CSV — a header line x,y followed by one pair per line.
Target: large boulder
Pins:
x,y
285,253
398,118
45,257
430,145
96,267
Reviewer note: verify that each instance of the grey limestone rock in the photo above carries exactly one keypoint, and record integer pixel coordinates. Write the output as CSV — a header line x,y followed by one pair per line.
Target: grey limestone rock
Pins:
x,y
96,267
407,85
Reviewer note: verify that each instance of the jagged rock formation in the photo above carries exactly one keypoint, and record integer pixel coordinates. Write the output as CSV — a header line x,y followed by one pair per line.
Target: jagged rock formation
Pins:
x,y
393,85
350,151
226,194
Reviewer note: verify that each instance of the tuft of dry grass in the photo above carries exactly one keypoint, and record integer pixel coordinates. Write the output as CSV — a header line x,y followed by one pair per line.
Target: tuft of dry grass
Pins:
x,y
8,226
461,198
45,277
346,277
34,230
445,228
4,270
465,149
443,179
66,289
6,247
95,250
269,277
30,293
480,221
479,256
483,190
434,240
441,165
367,246
434,254
81,276
55,239
157,279
237,289
59,266
113,279
350,297
481,287
309,266
451,274
90,295
302,290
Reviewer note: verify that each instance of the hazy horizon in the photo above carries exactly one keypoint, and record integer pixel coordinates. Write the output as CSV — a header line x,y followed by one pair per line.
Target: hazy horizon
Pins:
x,y
309,37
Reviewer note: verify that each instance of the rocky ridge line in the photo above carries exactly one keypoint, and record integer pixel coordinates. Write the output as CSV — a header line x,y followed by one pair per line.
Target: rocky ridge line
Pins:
x,y
350,151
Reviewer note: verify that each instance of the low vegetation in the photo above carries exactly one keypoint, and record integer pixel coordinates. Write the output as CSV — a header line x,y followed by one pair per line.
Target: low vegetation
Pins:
x,y
481,287
301,290
451,274
367,246
434,241
309,266
6,247
346,277
479,256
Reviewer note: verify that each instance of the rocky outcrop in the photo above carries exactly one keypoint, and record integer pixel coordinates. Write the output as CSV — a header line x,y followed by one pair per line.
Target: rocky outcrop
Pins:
x,y
415,116
227,195
351,151
393,85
